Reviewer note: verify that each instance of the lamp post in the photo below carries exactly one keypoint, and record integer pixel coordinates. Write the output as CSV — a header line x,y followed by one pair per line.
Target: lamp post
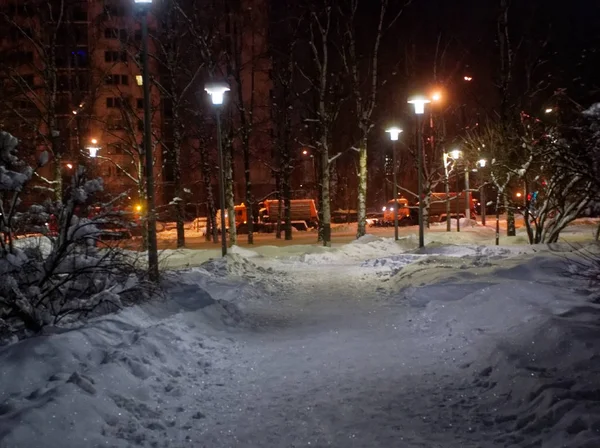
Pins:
x,y
455,154
394,133
445,158
467,193
144,6
217,90
482,163
419,102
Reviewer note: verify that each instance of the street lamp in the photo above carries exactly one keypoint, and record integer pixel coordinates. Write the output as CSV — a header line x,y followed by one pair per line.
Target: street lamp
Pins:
x,y
144,6
93,148
217,90
456,154
419,101
394,134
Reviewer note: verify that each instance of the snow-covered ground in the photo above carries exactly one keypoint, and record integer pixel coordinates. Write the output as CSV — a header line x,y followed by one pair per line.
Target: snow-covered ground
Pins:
x,y
368,344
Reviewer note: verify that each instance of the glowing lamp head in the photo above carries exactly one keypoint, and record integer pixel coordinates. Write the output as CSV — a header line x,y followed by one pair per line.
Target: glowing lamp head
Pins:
x,y
305,152
217,90
468,78
94,141
394,132
519,194
419,101
482,163
93,151
436,96
138,208
142,2
455,154
549,110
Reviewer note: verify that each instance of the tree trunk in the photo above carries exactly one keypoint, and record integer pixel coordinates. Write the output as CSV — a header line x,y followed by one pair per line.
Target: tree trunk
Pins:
x,y
362,190
426,205
287,204
510,217
320,212
211,218
249,198
498,197
530,234
142,199
278,182
325,195
58,180
179,193
229,194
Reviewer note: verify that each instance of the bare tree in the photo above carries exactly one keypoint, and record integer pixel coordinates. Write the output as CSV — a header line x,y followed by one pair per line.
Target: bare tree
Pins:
x,y
180,69
364,81
248,66
321,110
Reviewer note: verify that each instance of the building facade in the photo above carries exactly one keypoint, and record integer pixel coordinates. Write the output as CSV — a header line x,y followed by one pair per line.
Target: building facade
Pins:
x,y
72,83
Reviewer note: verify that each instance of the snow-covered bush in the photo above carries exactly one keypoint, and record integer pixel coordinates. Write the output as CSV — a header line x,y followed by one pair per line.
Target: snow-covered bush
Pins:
x,y
67,272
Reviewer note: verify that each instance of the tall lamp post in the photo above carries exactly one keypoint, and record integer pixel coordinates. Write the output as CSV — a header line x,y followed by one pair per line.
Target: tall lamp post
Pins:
x,y
455,154
419,102
482,163
394,134
144,6
217,90
445,158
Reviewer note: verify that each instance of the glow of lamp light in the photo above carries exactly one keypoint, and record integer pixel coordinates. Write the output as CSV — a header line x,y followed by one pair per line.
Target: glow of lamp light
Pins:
x,y
217,90
419,101
394,132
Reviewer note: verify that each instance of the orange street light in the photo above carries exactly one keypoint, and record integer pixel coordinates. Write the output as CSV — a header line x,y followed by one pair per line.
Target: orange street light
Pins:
x,y
436,96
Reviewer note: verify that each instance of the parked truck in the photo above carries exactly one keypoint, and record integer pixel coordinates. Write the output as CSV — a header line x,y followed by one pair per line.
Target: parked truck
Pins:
x,y
403,212
303,214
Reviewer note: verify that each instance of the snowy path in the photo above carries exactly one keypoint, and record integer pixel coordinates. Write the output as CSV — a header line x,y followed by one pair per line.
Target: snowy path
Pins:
x,y
455,347
335,365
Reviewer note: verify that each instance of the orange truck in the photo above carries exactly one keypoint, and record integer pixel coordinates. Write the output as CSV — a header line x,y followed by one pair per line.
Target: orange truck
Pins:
x,y
303,213
403,211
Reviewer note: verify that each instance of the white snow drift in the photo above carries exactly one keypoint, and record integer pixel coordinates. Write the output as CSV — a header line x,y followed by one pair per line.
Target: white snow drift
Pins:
x,y
372,344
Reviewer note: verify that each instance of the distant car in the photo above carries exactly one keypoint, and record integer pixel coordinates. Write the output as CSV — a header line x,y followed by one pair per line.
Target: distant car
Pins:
x,y
374,219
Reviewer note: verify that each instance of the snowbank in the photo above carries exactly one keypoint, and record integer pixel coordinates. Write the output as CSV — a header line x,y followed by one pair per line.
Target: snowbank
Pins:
x,y
131,378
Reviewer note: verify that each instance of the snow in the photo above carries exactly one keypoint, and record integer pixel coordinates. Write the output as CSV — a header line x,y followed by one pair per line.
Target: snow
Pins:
x,y
374,343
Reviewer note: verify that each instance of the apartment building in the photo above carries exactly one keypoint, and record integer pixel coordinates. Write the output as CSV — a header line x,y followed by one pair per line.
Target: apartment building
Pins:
x,y
72,81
